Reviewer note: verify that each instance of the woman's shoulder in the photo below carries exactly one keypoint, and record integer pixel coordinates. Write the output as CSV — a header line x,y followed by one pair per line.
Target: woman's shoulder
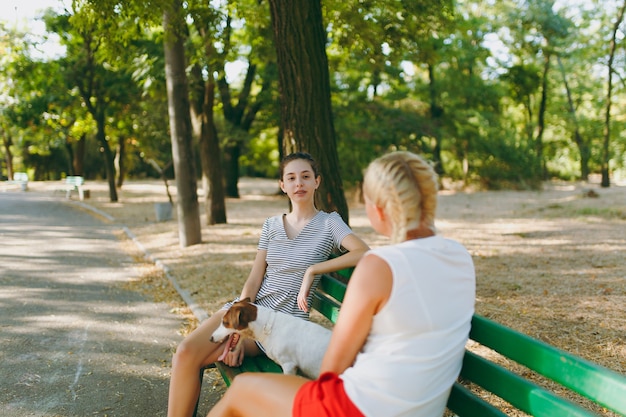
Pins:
x,y
333,217
274,221
332,221
434,244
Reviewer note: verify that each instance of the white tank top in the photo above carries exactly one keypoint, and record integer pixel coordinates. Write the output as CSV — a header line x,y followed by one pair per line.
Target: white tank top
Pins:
x,y
414,351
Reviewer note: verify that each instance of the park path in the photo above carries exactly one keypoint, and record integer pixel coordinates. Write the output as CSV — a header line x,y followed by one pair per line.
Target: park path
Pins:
x,y
73,340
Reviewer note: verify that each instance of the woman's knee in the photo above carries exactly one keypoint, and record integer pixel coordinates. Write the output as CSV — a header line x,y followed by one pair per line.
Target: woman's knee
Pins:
x,y
247,381
266,394
185,353
196,348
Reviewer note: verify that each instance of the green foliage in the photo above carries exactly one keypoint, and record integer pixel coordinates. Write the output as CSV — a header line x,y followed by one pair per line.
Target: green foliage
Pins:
x,y
523,80
505,163
416,75
261,158
366,129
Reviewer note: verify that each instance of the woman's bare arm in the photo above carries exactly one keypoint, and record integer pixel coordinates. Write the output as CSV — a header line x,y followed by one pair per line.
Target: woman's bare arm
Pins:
x,y
355,247
255,278
367,292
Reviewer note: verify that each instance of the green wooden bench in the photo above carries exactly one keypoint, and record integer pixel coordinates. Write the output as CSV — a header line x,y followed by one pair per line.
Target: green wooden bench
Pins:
x,y
482,379
74,183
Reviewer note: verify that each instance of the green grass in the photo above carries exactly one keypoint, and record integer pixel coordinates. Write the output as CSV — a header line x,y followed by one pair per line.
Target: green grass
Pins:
x,y
570,210
604,212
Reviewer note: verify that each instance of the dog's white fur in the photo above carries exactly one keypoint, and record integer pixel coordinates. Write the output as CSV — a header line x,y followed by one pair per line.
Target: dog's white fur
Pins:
x,y
291,342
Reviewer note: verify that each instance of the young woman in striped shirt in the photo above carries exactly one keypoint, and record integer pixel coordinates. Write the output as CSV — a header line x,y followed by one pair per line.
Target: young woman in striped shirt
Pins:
x,y
293,248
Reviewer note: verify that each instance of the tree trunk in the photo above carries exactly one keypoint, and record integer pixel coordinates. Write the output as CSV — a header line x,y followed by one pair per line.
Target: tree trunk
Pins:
x,y
70,156
606,177
98,112
211,158
436,112
202,112
209,144
8,156
109,163
583,146
541,116
78,156
119,161
232,152
241,116
188,211
306,115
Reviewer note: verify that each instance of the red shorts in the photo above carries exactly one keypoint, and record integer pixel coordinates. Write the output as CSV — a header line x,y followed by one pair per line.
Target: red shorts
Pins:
x,y
324,397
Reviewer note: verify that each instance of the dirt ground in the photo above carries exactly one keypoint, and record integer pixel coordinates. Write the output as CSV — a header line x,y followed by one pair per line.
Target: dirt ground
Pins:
x,y
549,263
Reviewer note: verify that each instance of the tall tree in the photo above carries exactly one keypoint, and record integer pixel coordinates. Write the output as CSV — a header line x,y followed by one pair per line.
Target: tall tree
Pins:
x,y
240,115
606,180
548,29
89,69
34,107
189,229
579,139
121,20
202,112
203,121
304,82
371,41
243,99
12,52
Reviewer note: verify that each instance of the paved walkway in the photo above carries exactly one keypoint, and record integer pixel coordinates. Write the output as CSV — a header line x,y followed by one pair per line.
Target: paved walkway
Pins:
x,y
73,341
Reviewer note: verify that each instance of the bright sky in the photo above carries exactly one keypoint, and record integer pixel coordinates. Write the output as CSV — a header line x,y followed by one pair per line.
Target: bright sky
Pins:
x,y
20,12
24,15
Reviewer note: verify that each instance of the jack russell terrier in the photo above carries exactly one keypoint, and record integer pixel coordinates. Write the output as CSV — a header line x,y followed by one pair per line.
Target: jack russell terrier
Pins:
x,y
295,344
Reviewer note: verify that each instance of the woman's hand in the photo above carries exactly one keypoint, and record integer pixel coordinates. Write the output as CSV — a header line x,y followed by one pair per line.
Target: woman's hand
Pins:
x,y
302,298
307,281
233,351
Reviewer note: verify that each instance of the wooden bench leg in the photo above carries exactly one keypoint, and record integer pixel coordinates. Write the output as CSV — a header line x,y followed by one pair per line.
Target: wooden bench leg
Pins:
x,y
81,194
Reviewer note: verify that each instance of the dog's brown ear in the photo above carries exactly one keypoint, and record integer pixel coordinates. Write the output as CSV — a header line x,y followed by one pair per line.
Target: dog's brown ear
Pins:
x,y
235,318
231,317
247,314
241,317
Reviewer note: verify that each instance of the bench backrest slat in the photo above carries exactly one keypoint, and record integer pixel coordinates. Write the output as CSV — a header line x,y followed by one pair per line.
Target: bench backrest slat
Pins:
x,y
328,296
20,176
519,392
333,287
344,274
326,306
465,403
74,180
600,384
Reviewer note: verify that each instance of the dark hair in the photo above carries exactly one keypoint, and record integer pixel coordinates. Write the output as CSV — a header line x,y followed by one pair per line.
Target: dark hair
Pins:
x,y
298,155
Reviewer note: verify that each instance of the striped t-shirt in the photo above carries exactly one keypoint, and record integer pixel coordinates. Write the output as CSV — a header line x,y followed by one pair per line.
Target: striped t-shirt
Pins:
x,y
287,259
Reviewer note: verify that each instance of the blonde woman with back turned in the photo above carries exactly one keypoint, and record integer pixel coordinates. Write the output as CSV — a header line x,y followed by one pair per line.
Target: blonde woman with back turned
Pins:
x,y
398,344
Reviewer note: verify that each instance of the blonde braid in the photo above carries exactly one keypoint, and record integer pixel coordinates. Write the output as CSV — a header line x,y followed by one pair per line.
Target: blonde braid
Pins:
x,y
405,186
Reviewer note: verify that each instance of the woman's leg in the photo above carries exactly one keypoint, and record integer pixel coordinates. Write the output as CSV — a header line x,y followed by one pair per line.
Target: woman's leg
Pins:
x,y
260,395
193,353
